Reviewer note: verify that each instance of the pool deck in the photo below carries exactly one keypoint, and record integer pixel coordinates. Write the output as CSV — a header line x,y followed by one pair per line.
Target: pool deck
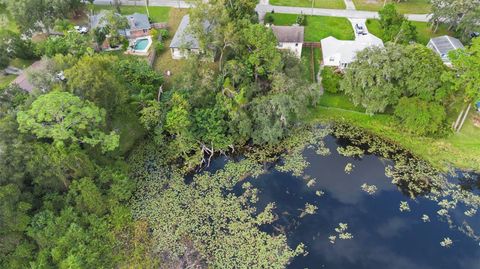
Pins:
x,y
143,52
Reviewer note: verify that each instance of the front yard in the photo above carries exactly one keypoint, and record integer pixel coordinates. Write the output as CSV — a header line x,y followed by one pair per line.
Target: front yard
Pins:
x,y
318,27
406,7
157,14
424,30
334,4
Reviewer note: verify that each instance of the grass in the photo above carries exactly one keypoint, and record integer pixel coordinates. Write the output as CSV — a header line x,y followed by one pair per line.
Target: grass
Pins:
x,y
21,63
406,7
319,27
6,21
164,59
424,30
306,59
334,4
157,14
5,80
461,150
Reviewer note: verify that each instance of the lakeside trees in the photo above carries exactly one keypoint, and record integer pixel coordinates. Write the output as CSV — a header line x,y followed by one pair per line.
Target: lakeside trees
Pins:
x,y
393,76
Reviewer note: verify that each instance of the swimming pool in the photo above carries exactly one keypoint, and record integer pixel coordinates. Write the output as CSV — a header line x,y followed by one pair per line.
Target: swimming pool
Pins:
x,y
141,44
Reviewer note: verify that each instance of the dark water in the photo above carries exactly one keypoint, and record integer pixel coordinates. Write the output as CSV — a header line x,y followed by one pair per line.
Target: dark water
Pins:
x,y
383,237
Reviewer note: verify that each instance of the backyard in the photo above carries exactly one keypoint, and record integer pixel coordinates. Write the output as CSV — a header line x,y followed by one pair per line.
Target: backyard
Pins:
x,y
424,30
406,7
318,27
459,149
164,59
334,4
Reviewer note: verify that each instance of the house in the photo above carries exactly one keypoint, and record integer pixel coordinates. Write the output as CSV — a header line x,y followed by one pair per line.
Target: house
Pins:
x,y
442,45
22,80
184,42
289,38
340,53
138,24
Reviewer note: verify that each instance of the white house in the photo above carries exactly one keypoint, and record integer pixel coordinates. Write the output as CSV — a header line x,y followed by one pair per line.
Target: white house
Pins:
x,y
442,45
289,38
184,42
340,53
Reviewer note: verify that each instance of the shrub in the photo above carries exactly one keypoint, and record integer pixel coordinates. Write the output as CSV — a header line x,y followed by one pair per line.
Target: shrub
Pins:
x,y
331,80
419,116
269,18
301,19
163,33
159,46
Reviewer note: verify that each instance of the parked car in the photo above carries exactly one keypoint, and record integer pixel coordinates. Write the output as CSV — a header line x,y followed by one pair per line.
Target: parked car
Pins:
x,y
81,29
360,30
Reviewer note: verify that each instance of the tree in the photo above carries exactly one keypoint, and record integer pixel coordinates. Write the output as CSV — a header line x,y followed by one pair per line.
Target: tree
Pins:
x,y
66,119
92,78
33,15
115,23
459,15
379,77
420,117
71,43
261,52
395,26
142,81
466,64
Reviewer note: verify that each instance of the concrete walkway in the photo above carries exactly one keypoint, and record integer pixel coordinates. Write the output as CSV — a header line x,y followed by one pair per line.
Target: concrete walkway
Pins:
x,y
349,4
264,7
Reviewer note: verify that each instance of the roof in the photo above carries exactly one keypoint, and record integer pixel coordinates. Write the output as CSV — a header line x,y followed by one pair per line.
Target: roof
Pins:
x,y
290,34
183,38
22,80
344,51
443,44
138,21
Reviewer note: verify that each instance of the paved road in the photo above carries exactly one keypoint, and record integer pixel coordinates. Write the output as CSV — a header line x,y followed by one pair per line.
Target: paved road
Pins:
x,y
355,14
263,8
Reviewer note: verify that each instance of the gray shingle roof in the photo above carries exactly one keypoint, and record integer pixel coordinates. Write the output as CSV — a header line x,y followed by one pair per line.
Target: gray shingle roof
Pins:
x,y
292,34
183,38
138,21
443,44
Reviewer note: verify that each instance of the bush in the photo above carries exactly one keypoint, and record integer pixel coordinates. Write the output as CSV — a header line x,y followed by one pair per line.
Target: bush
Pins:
x,y
163,33
301,20
419,116
159,46
331,80
269,18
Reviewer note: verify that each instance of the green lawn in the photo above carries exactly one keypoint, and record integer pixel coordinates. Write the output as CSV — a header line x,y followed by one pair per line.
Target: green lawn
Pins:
x,y
157,14
306,59
338,100
5,80
423,29
461,150
406,7
319,27
6,21
335,4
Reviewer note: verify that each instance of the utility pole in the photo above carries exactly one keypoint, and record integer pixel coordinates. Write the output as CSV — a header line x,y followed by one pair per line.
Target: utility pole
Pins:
x,y
313,4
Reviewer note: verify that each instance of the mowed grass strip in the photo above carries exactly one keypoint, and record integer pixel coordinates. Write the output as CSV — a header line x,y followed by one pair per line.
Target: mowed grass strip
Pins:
x,y
318,27
407,7
333,4
157,14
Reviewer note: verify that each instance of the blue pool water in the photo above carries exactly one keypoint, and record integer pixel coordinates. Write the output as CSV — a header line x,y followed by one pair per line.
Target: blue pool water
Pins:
x,y
141,44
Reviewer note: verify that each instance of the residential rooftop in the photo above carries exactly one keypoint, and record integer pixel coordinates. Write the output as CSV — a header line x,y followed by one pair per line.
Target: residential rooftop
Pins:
x,y
184,38
289,34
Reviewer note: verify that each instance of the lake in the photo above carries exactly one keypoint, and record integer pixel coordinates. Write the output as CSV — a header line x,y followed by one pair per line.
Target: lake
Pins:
x,y
383,235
